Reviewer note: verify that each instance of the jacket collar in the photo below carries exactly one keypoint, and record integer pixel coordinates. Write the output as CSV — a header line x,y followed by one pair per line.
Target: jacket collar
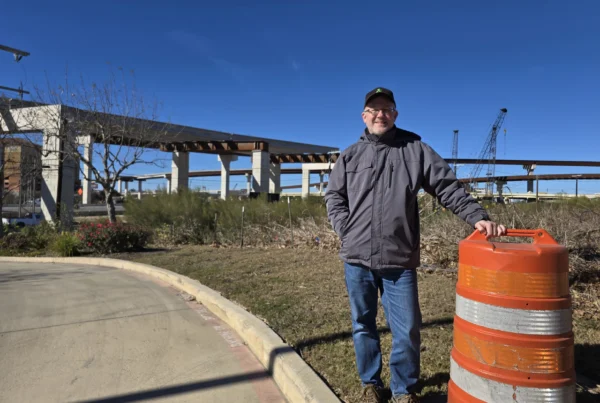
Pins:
x,y
393,136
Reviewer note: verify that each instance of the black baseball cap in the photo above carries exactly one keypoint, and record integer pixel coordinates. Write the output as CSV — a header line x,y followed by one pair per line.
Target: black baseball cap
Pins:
x,y
379,91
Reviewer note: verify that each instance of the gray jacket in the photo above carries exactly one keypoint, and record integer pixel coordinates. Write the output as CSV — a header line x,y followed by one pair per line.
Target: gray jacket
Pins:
x,y
372,198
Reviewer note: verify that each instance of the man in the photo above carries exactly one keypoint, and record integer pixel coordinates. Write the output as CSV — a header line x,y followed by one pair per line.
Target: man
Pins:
x,y
372,205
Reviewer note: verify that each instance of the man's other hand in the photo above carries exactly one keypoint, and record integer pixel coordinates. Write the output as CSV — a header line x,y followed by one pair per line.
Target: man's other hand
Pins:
x,y
490,228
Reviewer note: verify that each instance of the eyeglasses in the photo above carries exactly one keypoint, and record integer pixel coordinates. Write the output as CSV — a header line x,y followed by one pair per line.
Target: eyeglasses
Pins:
x,y
386,111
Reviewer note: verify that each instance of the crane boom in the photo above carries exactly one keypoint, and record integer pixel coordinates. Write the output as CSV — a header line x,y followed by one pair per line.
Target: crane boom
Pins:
x,y
488,153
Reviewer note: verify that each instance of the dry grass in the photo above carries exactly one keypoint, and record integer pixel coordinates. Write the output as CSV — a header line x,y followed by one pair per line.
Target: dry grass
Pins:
x,y
301,294
574,224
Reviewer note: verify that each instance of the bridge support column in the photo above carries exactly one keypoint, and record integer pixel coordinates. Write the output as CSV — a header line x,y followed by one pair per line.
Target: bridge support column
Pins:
x,y
88,147
321,184
58,178
577,185
500,186
274,178
225,170
307,169
305,181
529,169
248,183
180,170
260,171
140,189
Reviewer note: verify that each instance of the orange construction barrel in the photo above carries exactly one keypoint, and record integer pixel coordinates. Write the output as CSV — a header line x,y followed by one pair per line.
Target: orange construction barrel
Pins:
x,y
513,340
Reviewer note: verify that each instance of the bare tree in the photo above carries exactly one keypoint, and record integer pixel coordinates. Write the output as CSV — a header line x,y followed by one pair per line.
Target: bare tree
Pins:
x,y
105,128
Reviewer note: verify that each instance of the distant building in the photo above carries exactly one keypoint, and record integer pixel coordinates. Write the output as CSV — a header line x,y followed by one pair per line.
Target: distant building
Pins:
x,y
22,165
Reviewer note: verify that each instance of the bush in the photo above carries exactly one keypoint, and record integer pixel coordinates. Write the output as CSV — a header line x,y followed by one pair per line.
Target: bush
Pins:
x,y
190,217
66,244
40,236
27,240
16,241
105,237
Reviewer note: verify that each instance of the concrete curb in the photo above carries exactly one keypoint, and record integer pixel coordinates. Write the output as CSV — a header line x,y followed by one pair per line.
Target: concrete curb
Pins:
x,y
296,380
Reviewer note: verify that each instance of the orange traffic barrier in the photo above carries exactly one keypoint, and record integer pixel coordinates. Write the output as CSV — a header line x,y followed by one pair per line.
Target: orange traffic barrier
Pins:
x,y
513,340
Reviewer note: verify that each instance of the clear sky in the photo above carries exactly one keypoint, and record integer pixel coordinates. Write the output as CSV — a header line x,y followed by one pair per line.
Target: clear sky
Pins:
x,y
298,70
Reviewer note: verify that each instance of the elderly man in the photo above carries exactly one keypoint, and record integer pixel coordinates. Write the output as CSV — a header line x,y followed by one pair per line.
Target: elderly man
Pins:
x,y
372,205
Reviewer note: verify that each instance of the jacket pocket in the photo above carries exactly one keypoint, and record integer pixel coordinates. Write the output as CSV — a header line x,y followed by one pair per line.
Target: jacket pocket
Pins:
x,y
359,175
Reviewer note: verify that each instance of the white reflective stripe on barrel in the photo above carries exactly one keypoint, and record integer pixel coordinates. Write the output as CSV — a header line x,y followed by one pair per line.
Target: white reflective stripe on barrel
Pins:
x,y
514,320
496,392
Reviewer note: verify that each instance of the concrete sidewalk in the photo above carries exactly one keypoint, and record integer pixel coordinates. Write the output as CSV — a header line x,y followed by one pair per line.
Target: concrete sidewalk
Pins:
x,y
87,333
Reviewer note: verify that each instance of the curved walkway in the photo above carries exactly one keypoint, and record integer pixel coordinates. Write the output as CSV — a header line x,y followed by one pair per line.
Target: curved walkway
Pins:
x,y
88,333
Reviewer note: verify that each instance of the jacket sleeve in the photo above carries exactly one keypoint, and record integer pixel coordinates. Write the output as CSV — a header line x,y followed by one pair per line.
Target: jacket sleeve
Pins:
x,y
336,197
440,181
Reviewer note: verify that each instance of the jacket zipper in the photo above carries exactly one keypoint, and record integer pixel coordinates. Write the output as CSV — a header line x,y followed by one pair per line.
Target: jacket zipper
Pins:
x,y
391,174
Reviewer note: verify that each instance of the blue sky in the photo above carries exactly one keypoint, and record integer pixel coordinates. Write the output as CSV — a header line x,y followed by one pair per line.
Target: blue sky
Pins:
x,y
298,70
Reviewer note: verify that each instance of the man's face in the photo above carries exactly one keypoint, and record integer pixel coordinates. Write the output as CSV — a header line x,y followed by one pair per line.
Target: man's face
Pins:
x,y
379,115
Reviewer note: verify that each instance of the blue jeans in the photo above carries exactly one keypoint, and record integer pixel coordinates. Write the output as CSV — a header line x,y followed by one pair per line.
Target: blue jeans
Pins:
x,y
400,301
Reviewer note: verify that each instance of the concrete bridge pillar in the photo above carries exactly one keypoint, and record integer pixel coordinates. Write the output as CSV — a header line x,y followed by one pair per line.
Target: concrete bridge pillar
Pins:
x,y
168,179
305,181
248,183
321,184
260,171
180,171
274,178
529,169
58,178
307,169
225,170
88,146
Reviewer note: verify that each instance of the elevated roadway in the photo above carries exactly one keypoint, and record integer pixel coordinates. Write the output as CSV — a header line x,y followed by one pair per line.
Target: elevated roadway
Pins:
x,y
288,171
512,178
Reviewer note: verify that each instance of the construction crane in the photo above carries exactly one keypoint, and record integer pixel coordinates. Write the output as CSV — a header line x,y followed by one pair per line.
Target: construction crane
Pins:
x,y
455,150
488,153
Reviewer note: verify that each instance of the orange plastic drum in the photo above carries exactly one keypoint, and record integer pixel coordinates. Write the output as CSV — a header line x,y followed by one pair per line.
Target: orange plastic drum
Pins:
x,y
512,329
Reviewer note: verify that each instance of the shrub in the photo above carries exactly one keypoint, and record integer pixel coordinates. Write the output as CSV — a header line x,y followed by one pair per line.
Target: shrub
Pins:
x,y
16,241
40,236
66,244
105,237
190,217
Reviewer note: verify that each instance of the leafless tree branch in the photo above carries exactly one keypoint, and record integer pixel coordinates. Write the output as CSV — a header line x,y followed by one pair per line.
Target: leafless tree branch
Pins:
x,y
113,114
